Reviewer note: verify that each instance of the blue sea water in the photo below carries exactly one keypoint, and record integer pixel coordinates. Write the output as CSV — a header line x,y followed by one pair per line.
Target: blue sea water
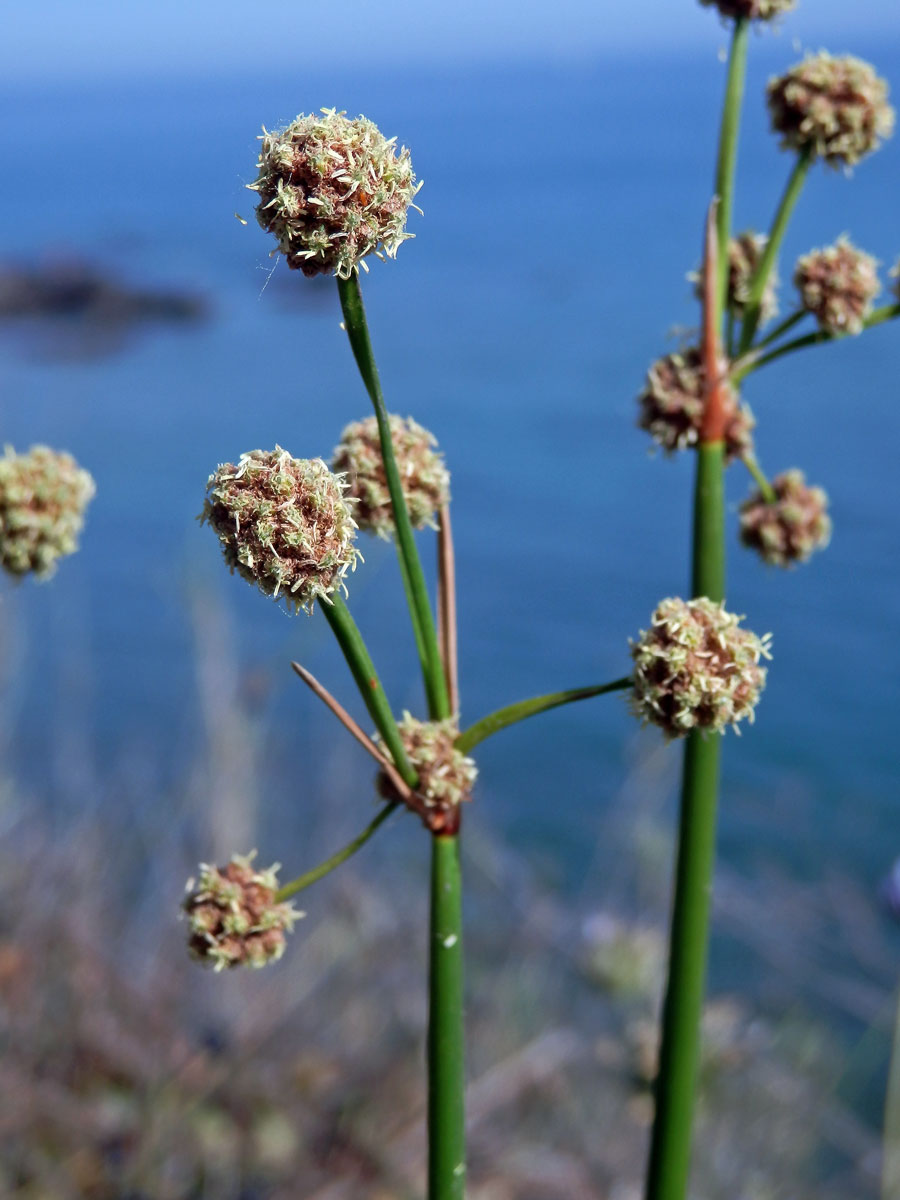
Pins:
x,y
563,210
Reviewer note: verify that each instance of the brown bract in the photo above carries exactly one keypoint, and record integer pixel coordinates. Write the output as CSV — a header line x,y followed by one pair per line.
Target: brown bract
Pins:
x,y
837,285
788,529
284,524
831,108
672,406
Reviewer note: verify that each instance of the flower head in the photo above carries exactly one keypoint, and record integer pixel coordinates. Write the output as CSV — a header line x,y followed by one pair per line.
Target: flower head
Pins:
x,y
744,253
43,496
423,474
671,406
233,915
751,10
694,668
446,776
837,285
283,523
790,527
831,108
333,189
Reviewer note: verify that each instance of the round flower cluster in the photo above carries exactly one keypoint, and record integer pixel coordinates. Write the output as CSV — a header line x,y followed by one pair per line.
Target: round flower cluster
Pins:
x,y
233,915
790,528
837,285
831,108
694,668
423,474
446,776
283,523
751,10
672,402
43,496
332,190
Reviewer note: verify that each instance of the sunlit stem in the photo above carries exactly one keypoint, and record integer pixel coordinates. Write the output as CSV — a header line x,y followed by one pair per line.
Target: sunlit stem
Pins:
x,y
728,148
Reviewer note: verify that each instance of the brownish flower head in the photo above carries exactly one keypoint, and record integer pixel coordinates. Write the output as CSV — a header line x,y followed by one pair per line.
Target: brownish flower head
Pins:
x,y
837,285
233,915
831,108
695,669
425,478
751,10
446,776
788,529
43,496
284,524
332,190
671,407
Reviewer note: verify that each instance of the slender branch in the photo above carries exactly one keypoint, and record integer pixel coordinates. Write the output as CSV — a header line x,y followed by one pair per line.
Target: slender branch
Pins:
x,y
363,670
325,868
447,621
400,786
745,367
765,487
780,330
716,411
728,147
417,592
513,713
446,1063
753,307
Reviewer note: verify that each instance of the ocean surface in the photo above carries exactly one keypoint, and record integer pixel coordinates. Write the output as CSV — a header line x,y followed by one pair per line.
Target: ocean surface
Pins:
x,y
563,211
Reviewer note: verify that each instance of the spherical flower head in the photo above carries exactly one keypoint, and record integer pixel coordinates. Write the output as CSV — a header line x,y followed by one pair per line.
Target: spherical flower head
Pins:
x,y
284,524
233,916
837,285
333,189
671,407
751,10
789,528
694,668
831,108
423,474
43,497
446,776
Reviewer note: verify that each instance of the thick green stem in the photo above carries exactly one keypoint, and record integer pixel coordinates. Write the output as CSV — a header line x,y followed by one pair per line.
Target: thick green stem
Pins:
x,y
753,307
414,577
887,312
728,147
326,867
446,1063
363,669
504,717
676,1086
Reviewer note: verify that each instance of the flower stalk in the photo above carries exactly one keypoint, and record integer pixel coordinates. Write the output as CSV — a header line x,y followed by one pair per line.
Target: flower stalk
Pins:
x,y
411,566
341,856
728,147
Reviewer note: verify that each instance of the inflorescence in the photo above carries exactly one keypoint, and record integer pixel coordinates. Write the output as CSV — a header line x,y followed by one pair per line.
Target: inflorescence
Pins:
x,y
672,405
333,189
284,524
831,108
751,10
234,917
446,776
694,668
789,528
837,285
43,497
423,473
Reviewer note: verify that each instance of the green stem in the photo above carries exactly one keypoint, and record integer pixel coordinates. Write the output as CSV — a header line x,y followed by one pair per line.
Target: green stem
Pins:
x,y
504,717
753,307
676,1086
363,669
890,1178
768,492
326,867
728,147
414,577
887,312
446,1065
781,329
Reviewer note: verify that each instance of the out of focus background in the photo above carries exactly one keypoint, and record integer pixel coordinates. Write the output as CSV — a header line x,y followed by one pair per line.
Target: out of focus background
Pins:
x,y
148,715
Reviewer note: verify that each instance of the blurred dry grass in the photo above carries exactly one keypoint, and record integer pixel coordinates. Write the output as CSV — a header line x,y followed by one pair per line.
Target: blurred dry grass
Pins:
x,y
127,1072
